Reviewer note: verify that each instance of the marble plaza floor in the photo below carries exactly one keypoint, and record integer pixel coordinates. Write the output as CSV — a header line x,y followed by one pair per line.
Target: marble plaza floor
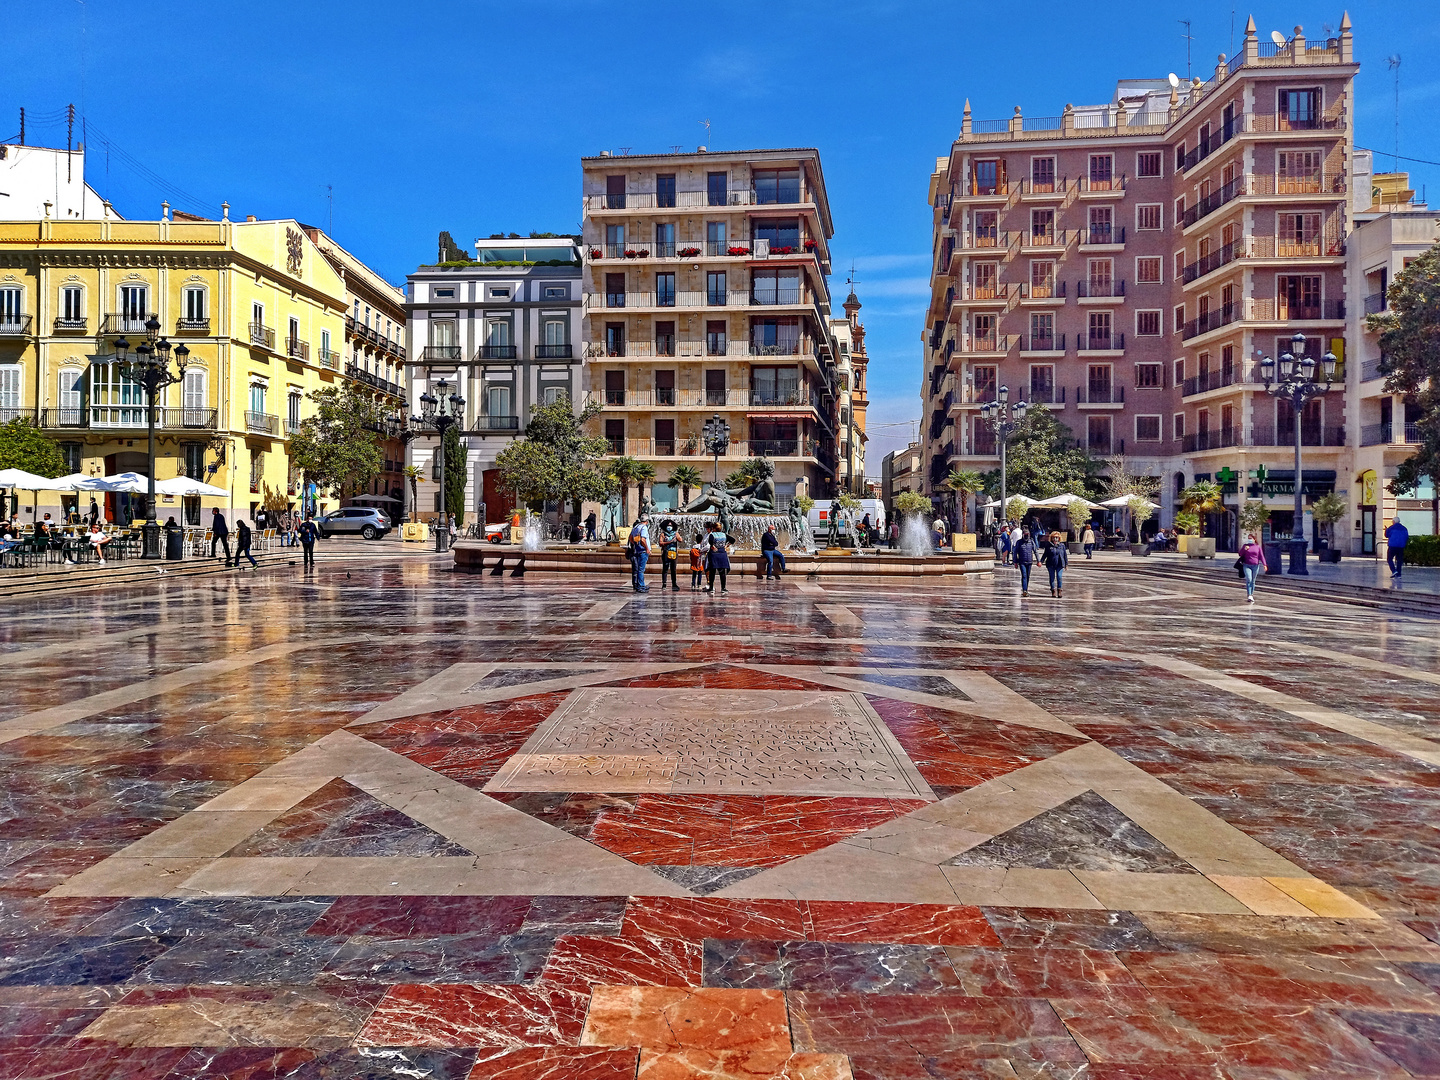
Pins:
x,y
387,821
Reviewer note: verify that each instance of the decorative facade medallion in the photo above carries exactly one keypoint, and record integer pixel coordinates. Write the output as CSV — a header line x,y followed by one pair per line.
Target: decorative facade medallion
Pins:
x,y
295,250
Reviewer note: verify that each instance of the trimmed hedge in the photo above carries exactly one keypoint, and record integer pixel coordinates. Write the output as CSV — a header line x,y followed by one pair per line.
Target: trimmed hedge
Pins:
x,y
1423,551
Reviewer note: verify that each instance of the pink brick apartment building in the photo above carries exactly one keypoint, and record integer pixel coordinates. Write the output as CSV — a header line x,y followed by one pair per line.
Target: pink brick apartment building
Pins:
x,y
1127,264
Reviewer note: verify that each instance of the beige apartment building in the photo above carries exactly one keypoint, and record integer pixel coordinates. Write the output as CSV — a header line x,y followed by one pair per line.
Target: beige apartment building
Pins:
x,y
1127,264
852,401
705,295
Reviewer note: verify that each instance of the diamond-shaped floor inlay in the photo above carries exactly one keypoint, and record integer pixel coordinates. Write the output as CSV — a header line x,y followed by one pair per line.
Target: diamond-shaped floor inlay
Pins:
x,y
1085,833
923,684
340,820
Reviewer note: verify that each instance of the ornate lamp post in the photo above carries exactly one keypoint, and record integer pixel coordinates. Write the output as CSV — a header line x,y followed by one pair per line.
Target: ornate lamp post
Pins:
x,y
1297,384
716,434
150,367
441,412
1003,418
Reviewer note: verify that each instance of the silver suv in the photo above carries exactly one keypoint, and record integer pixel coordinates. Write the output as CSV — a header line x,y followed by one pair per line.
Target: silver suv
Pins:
x,y
364,520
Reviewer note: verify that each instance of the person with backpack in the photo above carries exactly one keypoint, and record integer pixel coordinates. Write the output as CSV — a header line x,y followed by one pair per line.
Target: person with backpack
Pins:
x,y
669,554
308,535
639,550
1056,559
697,563
1026,553
719,560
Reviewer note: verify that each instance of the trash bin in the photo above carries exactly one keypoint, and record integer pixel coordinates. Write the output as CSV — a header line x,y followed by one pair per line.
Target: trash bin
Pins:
x,y
175,543
1274,557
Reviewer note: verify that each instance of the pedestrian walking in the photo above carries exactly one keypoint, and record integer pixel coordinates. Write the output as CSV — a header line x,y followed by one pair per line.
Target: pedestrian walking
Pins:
x,y
94,515
639,546
590,526
219,534
1007,543
669,554
308,534
1250,563
771,553
697,563
940,528
1396,536
98,540
242,543
894,535
1026,553
1057,558
1087,538
719,560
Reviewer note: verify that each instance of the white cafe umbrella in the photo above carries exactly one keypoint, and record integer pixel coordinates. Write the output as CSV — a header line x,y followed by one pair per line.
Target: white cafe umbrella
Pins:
x,y
1062,502
996,502
184,485
128,482
20,480
73,482
1122,502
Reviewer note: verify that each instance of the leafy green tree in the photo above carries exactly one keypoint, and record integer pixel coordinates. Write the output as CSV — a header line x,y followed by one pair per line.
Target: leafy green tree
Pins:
x,y
338,447
1253,516
912,502
685,477
1327,510
23,447
964,484
622,470
1079,512
555,460
1200,498
1121,483
532,470
456,461
1043,460
1409,332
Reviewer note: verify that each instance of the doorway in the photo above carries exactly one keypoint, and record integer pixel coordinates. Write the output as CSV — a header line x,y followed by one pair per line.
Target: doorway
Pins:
x,y
1367,530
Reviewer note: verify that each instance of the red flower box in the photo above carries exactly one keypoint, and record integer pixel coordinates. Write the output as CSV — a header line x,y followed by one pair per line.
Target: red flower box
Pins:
x,y
738,251
689,252
782,251
596,253
809,245
637,253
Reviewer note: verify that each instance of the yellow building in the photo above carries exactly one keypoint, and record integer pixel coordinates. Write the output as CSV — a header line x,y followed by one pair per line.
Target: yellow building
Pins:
x,y
256,303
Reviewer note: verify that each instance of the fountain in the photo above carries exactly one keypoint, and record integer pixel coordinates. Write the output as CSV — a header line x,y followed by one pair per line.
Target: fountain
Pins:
x,y
534,534
915,538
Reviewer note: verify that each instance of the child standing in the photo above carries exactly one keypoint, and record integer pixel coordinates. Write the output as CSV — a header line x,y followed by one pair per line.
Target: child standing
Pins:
x,y
697,566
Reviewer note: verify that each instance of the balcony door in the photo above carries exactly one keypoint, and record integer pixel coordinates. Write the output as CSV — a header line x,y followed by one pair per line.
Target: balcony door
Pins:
x,y
194,399
500,406
134,302
115,401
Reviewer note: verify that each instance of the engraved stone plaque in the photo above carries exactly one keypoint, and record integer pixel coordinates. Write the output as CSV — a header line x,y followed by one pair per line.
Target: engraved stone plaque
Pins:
x,y
737,742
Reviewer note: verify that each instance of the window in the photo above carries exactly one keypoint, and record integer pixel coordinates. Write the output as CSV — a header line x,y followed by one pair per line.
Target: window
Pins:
x,y
1099,330
664,240
715,338
1298,297
438,292
775,386
775,287
715,386
715,241
717,188
665,437
497,292
292,411
984,280
781,233
1180,209
1147,216
498,337
556,292
615,339
615,192
1042,278
257,398
1298,234
983,333
1299,109
442,333
10,307
665,190
1097,432
986,173
1102,226
1042,332
1101,277
1299,172
324,345
1179,372
552,394
1147,377
614,290
1179,319
9,391
193,399
614,241
1147,163
987,228
1042,174
1042,227
776,186
1177,425
498,404
1147,323
72,304
194,306
556,331
71,392
665,338
1102,172
986,380
715,288
615,435
134,305
114,399
1148,270
1147,429
665,289
257,317
665,387
775,337
1042,382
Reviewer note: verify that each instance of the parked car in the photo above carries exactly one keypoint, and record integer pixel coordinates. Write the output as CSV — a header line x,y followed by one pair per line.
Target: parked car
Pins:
x,y
363,520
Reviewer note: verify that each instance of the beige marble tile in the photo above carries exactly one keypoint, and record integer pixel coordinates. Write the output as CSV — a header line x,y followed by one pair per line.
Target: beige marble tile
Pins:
x,y
120,876
1322,899
1128,891
846,872
1019,887
1260,896
290,1020
201,835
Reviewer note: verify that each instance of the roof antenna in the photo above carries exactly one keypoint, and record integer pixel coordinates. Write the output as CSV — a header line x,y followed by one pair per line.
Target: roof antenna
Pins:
x,y
852,280
1394,64
1189,37
330,197
706,123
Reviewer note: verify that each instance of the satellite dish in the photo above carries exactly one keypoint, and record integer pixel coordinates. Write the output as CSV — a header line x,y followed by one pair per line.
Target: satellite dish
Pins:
x,y
1278,38
1174,80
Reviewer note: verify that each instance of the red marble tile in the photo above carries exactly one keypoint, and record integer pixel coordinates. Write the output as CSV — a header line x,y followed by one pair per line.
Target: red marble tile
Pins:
x,y
509,1017
714,917
726,830
913,1028
89,1060
558,1063
582,961
1044,973
1280,981
721,676
422,916
677,1018
897,924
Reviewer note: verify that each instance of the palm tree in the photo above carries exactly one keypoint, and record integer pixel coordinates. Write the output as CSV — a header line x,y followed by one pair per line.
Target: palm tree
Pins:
x,y
644,474
963,484
413,474
623,471
685,477
1201,498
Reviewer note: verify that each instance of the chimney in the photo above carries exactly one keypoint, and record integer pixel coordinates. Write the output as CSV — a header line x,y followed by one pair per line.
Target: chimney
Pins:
x,y
249,217
604,153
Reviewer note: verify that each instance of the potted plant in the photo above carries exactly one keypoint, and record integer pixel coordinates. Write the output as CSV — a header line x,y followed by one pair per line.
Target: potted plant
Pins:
x,y
809,245
1327,510
1141,510
1201,498
689,252
736,249
597,253
1079,511
964,484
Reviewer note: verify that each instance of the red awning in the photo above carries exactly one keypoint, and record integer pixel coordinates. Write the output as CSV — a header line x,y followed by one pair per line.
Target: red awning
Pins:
x,y
776,416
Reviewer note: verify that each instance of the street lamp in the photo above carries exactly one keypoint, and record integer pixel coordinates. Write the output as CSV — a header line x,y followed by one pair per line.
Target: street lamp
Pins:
x,y
716,434
441,412
1003,418
1297,385
150,367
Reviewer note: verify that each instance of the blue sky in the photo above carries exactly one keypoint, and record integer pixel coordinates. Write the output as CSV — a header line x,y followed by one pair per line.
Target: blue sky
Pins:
x,y
472,116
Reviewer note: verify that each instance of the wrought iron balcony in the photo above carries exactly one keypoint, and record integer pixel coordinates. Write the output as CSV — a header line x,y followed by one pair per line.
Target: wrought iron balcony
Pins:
x,y
260,334
1099,342
441,352
1375,303
554,352
1209,380
328,358
128,417
495,352
262,423
192,326
297,349
1112,394
119,323
496,423
1100,287
70,325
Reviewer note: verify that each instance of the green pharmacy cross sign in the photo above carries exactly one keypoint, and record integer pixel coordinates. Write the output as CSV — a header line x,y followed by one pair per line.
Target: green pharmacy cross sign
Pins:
x,y
1228,478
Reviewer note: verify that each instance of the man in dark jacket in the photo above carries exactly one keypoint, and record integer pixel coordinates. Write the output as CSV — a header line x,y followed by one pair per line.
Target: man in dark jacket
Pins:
x,y
1396,537
1026,554
242,544
590,526
771,553
308,534
219,534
